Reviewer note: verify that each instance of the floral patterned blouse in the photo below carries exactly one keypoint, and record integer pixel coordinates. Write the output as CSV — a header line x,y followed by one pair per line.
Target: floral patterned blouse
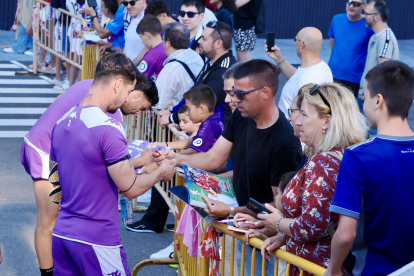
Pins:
x,y
306,200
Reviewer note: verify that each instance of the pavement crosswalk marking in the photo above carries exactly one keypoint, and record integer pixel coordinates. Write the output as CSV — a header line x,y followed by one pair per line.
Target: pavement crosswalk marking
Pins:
x,y
23,99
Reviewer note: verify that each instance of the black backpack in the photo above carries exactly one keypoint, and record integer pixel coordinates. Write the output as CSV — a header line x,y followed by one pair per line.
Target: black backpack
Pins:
x,y
260,24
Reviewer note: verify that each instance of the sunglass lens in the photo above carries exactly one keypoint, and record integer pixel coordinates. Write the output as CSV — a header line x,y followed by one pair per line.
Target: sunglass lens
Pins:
x,y
132,3
125,3
182,13
239,96
190,14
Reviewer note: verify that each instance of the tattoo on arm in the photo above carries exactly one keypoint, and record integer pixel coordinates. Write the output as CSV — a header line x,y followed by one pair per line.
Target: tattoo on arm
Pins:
x,y
51,164
130,163
122,164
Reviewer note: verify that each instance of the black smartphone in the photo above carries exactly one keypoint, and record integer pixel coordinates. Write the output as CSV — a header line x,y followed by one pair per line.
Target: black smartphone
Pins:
x,y
257,207
92,3
270,41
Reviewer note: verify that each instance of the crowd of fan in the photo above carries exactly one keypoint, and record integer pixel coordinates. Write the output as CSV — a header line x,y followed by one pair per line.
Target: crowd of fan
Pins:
x,y
331,160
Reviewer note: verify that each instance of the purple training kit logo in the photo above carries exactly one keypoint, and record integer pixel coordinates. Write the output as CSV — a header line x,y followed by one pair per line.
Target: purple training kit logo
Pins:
x,y
116,273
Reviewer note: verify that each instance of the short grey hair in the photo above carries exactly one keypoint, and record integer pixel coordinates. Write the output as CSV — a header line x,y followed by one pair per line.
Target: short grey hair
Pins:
x,y
178,35
229,74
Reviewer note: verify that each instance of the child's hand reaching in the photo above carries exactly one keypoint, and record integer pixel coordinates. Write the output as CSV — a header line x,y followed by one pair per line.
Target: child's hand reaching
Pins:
x,y
160,144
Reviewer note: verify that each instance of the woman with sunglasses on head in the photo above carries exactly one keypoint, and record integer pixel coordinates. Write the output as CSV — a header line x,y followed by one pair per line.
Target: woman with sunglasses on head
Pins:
x,y
224,11
329,122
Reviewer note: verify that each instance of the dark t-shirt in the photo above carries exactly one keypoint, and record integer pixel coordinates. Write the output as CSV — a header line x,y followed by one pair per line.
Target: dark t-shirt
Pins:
x,y
245,17
272,152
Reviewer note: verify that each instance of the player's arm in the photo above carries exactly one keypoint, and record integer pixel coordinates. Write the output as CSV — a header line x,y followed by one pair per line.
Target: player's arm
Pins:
x,y
341,244
145,159
132,185
332,41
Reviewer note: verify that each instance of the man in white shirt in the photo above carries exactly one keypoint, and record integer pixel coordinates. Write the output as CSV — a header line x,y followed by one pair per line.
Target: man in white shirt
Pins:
x,y
134,12
308,43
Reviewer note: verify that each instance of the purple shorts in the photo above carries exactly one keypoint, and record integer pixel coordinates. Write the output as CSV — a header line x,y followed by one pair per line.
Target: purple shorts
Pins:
x,y
72,258
35,161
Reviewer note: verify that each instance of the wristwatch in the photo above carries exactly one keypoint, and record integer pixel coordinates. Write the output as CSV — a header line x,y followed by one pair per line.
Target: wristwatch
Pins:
x,y
92,17
231,211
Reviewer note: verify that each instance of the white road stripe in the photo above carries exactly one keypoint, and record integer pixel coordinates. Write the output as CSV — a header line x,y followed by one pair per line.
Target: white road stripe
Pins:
x,y
26,100
30,90
23,110
20,81
13,134
7,73
8,66
17,122
30,70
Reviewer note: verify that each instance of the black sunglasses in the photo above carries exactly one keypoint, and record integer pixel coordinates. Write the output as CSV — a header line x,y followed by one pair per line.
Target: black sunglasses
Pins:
x,y
365,13
354,3
316,89
125,3
190,14
290,111
213,24
240,94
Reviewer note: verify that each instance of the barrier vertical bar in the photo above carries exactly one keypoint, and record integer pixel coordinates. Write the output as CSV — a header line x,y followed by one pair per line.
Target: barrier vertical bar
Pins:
x,y
253,264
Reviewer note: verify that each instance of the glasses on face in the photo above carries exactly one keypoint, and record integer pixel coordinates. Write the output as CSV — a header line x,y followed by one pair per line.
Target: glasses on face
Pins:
x,y
354,3
295,39
240,94
213,24
365,13
316,89
125,3
190,14
290,111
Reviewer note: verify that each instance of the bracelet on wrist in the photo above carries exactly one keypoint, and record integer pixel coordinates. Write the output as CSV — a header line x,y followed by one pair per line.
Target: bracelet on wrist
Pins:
x,y
278,226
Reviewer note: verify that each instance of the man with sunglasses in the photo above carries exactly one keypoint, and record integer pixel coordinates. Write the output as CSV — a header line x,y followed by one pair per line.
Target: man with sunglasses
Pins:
x,y
191,16
135,11
349,39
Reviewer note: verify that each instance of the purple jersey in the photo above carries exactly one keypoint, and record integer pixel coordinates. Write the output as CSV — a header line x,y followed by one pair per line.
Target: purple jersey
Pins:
x,y
152,62
84,142
208,133
41,132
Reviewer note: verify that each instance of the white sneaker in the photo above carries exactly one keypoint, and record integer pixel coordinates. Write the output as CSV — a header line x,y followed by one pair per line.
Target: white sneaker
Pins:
x,y
166,253
8,50
28,53
55,82
63,86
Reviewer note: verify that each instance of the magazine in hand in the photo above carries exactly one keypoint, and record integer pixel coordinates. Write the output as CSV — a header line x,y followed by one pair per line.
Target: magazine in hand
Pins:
x,y
136,147
201,183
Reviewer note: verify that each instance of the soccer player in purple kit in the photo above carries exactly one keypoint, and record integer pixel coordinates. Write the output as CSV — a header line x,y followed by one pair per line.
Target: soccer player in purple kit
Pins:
x,y
149,29
36,148
94,165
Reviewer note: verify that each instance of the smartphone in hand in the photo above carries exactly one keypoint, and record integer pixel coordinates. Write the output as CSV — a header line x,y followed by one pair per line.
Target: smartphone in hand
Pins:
x,y
257,207
270,41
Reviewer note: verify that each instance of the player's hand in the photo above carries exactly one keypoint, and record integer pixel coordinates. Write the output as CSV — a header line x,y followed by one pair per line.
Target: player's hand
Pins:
x,y
168,171
102,50
89,11
147,156
248,218
271,244
166,154
271,219
164,120
216,209
276,55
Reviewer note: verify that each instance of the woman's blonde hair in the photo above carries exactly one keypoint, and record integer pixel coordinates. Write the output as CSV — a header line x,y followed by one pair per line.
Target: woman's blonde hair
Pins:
x,y
347,126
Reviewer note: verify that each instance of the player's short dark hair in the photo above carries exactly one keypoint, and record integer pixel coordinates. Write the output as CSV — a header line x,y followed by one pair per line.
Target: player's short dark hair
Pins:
x,y
201,94
148,87
157,7
199,4
225,32
112,5
260,73
285,179
381,7
115,65
149,24
178,35
394,80
183,109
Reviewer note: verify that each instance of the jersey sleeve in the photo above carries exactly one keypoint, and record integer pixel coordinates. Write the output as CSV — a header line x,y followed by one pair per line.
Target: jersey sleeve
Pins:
x,y
203,139
52,152
349,187
148,65
285,160
385,45
117,24
113,145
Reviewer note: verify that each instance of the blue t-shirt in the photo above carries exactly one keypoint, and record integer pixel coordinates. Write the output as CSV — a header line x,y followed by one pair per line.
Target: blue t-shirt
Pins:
x,y
116,27
376,186
349,52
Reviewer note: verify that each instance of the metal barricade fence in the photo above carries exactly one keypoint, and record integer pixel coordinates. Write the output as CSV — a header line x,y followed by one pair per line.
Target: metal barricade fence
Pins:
x,y
54,31
146,127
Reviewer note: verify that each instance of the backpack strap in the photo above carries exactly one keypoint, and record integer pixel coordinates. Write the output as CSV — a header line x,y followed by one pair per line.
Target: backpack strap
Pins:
x,y
186,68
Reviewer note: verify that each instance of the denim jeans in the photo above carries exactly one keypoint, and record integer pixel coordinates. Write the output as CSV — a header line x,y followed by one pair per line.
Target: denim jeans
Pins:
x,y
23,41
371,131
248,260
